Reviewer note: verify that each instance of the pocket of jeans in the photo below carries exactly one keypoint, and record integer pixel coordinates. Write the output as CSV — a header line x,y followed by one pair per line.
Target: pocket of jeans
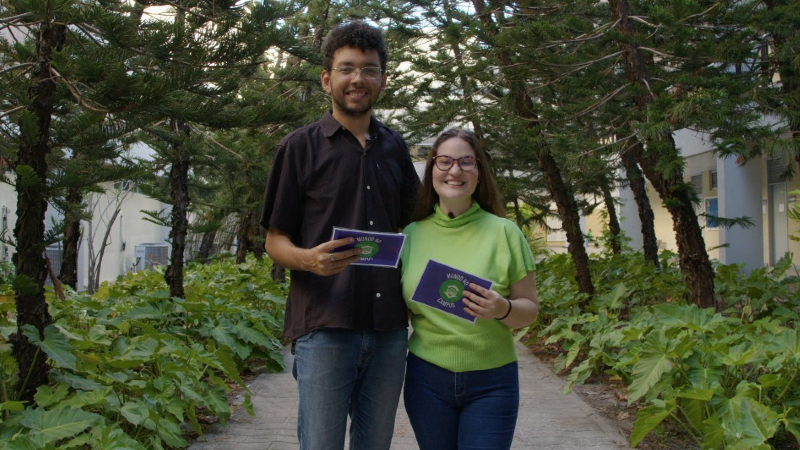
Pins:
x,y
306,337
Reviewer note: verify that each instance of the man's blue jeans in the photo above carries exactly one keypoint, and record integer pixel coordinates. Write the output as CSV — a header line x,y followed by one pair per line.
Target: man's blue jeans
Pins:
x,y
341,372
461,410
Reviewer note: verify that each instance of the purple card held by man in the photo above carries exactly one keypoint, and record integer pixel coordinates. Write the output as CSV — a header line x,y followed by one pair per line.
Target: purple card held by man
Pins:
x,y
377,249
442,287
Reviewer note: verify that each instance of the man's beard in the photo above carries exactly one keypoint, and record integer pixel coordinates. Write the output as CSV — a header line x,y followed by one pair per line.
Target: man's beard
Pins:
x,y
342,106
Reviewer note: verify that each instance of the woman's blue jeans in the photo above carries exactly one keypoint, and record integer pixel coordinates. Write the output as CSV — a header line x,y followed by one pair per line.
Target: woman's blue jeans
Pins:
x,y
461,410
341,372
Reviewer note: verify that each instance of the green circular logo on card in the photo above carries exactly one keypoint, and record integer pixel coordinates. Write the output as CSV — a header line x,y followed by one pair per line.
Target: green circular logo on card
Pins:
x,y
451,291
368,249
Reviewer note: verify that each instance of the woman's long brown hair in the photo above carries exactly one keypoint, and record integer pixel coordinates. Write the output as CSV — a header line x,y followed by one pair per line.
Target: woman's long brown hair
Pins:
x,y
486,194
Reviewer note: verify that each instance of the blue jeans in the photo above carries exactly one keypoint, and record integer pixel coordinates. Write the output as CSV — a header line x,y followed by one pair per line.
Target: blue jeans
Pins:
x,y
461,410
341,372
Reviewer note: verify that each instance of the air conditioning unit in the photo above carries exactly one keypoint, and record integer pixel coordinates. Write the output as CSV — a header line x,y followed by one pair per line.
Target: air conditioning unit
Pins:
x,y
149,255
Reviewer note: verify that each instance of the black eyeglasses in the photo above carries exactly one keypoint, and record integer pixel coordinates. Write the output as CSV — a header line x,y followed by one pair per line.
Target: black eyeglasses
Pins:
x,y
444,163
370,73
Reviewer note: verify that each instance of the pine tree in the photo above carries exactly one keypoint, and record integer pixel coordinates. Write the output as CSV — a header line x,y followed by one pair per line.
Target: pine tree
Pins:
x,y
207,49
80,76
38,35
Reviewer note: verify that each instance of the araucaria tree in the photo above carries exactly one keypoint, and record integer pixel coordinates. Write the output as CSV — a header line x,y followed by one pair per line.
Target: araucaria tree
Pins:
x,y
77,76
610,83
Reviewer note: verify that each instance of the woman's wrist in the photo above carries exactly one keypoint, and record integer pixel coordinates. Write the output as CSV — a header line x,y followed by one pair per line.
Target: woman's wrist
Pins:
x,y
507,312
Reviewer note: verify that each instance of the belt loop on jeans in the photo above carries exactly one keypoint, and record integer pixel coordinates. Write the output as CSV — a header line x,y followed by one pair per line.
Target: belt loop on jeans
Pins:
x,y
294,345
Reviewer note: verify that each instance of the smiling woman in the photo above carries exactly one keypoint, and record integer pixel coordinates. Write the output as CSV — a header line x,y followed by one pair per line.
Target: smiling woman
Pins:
x,y
462,339
455,176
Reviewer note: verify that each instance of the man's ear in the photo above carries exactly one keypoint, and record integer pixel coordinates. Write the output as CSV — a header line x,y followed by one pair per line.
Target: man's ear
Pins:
x,y
325,79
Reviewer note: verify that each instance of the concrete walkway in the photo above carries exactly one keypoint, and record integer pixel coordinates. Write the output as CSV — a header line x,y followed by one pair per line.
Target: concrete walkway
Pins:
x,y
547,419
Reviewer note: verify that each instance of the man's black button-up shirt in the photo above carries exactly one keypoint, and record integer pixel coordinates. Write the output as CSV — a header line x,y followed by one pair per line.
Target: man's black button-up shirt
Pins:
x,y
322,177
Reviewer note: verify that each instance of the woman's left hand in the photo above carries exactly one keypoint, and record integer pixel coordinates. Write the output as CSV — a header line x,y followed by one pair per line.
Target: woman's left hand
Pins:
x,y
485,303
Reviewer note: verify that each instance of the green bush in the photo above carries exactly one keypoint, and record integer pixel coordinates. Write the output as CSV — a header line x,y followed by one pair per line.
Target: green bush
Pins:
x,y
730,379
131,366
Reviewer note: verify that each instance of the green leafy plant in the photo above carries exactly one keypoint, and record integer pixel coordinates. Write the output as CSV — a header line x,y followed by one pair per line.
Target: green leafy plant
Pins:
x,y
132,366
729,379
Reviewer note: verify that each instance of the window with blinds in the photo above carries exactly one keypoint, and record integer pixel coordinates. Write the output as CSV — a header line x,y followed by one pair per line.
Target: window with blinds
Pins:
x,y
697,183
776,170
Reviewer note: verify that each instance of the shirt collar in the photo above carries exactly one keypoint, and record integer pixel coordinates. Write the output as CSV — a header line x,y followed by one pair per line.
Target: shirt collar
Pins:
x,y
473,213
330,125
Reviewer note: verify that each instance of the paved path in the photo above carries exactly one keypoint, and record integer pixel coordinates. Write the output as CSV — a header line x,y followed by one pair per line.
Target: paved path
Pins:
x,y
547,419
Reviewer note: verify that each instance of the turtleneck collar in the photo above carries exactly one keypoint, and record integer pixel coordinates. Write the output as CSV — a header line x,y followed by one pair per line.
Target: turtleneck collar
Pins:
x,y
440,218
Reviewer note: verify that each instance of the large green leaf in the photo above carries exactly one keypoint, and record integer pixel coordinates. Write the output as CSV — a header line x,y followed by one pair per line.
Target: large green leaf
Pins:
x,y
786,349
54,344
251,335
650,417
170,431
654,361
749,424
697,393
106,438
229,365
616,298
51,426
23,443
704,371
226,335
47,396
76,381
688,316
742,354
135,412
89,398
713,433
11,405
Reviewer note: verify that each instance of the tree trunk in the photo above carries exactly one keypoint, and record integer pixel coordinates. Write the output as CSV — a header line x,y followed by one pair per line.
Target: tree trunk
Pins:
x,y
31,207
72,239
258,237
278,272
694,261
244,236
613,220
94,275
179,192
562,194
570,219
646,216
206,245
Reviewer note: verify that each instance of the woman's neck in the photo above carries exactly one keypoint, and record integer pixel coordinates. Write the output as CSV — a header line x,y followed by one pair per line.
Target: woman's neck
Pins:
x,y
454,209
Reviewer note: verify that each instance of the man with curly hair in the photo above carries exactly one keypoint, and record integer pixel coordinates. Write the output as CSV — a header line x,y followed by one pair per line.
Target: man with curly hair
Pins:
x,y
348,322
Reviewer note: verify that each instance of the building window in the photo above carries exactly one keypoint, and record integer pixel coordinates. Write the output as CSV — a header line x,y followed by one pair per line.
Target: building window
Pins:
x,y
697,184
554,229
712,212
713,179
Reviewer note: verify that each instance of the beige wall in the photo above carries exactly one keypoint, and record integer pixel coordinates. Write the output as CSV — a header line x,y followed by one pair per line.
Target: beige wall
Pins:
x,y
129,228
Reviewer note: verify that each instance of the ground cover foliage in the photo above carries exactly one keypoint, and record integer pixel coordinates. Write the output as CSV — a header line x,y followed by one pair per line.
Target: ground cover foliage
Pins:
x,y
729,379
134,368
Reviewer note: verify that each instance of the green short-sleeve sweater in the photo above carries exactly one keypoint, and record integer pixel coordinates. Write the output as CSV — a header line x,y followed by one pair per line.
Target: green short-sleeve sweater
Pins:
x,y
479,243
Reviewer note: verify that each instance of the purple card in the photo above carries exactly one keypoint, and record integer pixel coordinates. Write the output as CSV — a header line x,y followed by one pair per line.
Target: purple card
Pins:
x,y
377,249
442,287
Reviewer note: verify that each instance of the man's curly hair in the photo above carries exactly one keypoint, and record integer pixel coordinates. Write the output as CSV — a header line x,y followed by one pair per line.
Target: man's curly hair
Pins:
x,y
354,34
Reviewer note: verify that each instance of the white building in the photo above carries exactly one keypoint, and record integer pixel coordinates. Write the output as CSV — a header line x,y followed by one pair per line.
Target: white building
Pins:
x,y
132,243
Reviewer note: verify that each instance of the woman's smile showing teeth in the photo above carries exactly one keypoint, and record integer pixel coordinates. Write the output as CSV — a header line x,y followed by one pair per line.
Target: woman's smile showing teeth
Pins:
x,y
452,183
